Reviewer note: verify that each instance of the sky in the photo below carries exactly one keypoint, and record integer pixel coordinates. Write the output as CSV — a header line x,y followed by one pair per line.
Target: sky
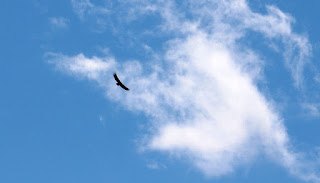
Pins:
x,y
220,91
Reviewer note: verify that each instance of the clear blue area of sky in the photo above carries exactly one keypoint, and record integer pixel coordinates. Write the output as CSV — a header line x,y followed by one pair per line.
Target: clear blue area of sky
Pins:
x,y
54,128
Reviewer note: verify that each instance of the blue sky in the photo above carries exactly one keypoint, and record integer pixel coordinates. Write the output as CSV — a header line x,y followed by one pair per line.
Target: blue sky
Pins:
x,y
221,91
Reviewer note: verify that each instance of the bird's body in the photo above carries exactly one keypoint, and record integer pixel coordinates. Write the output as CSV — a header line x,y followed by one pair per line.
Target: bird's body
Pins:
x,y
119,82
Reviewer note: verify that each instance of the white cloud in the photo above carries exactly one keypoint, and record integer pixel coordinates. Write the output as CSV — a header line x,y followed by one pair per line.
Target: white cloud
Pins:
x,y
317,78
204,103
312,109
155,165
97,16
59,22
84,8
90,68
81,7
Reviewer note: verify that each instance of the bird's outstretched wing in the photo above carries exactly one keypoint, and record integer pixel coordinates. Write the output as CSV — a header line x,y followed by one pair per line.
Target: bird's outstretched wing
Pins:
x,y
116,77
119,82
124,87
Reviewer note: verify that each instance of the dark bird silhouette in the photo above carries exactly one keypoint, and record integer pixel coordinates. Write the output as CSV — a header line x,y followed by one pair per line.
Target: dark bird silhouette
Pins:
x,y
119,82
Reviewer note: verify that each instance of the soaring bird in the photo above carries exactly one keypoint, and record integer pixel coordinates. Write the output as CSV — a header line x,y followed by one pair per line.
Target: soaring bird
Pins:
x,y
119,82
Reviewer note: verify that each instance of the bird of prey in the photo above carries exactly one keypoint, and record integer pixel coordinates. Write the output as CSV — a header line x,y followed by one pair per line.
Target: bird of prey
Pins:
x,y
119,82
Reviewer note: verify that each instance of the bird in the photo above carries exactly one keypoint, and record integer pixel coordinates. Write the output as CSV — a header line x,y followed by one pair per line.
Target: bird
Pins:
x,y
119,82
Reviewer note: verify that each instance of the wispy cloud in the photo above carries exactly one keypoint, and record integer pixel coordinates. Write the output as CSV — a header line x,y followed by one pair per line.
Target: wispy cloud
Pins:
x,y
92,13
155,165
312,109
41,6
202,95
317,78
59,22
85,8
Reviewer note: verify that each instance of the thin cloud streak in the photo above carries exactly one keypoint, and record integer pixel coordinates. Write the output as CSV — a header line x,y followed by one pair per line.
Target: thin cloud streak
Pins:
x,y
84,8
59,22
205,105
312,109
